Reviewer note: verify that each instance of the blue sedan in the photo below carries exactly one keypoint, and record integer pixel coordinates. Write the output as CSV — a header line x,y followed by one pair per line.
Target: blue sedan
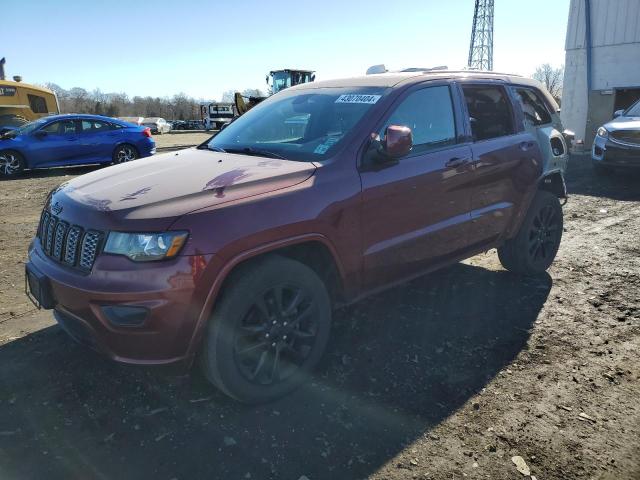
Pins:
x,y
65,140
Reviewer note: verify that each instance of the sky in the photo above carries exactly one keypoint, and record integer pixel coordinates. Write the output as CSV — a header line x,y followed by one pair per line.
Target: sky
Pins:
x,y
203,48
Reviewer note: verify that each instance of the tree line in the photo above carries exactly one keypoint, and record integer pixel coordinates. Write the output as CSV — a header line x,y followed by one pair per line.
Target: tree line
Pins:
x,y
177,107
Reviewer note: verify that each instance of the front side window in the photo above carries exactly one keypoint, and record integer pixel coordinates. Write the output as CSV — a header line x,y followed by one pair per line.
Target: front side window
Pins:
x,y
429,114
533,107
53,128
305,125
67,127
38,104
489,111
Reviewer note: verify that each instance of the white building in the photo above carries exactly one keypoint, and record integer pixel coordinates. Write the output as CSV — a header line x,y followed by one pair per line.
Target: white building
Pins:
x,y
602,66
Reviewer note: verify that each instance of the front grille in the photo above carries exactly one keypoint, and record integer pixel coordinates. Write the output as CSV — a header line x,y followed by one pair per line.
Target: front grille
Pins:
x,y
89,249
71,244
627,136
61,231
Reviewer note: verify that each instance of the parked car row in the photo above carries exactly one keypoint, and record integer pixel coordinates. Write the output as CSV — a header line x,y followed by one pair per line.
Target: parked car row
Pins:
x,y
187,125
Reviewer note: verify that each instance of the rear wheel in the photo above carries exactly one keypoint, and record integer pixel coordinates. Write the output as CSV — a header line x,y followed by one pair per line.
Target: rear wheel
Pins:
x,y
124,153
535,246
268,331
11,163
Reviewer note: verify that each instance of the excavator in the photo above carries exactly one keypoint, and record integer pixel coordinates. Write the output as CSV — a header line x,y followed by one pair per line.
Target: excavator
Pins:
x,y
277,80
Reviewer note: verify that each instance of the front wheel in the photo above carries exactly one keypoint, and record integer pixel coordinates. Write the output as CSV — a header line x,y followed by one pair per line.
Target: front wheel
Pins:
x,y
535,246
268,331
11,164
124,153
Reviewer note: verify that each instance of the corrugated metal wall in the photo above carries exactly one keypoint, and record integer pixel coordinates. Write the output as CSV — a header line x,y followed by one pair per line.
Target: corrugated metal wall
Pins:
x,y
613,22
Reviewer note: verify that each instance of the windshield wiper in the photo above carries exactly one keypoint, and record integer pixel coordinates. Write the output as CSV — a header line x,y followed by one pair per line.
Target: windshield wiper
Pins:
x,y
253,151
213,149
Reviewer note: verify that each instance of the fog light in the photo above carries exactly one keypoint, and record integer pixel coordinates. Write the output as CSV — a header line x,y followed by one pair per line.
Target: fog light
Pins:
x,y
125,315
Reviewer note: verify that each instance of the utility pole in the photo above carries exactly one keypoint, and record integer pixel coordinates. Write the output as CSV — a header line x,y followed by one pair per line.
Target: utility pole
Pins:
x,y
481,48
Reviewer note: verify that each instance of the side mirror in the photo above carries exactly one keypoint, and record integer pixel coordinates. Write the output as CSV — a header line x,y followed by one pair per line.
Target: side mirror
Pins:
x,y
398,141
313,77
40,134
224,125
618,113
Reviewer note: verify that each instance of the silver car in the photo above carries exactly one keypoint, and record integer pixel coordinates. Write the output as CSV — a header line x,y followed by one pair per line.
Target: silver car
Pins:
x,y
157,125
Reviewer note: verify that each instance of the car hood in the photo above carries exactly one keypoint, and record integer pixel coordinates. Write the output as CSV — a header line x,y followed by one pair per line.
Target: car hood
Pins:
x,y
156,190
623,123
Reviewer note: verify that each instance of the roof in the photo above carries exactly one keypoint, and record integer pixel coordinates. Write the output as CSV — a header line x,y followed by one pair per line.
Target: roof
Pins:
x,y
62,116
11,83
392,79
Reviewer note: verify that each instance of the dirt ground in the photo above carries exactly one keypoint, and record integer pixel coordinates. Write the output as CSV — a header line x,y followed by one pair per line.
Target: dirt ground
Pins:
x,y
447,377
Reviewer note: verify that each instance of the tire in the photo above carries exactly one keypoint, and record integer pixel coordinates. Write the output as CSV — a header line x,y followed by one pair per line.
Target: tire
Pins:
x,y
534,248
12,164
257,348
601,170
125,153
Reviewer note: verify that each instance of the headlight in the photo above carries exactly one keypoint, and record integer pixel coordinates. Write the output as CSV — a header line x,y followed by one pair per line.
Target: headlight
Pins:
x,y
602,132
144,247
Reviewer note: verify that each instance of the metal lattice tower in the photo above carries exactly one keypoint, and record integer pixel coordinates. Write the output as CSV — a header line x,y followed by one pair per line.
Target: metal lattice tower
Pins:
x,y
481,48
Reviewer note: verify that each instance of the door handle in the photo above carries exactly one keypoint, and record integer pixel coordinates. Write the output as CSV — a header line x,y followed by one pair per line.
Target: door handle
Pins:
x,y
524,146
456,162
72,139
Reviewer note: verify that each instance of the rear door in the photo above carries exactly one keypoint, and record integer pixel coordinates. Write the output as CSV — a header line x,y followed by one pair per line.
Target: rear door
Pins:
x,y
58,146
416,212
507,159
98,138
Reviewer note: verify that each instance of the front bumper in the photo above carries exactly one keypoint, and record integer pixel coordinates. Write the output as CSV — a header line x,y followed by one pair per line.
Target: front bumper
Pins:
x,y
164,297
613,154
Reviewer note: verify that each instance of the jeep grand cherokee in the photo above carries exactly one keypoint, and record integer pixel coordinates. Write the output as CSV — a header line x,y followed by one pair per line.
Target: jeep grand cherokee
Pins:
x,y
235,252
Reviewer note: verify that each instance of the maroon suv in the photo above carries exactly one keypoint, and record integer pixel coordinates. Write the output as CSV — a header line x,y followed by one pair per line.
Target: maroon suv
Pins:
x,y
238,250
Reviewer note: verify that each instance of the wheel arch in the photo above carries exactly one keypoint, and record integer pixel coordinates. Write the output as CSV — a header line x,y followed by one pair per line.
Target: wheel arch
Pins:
x,y
553,182
313,250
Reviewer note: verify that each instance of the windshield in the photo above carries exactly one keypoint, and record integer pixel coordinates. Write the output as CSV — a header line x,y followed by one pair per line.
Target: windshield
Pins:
x,y
306,125
27,128
634,110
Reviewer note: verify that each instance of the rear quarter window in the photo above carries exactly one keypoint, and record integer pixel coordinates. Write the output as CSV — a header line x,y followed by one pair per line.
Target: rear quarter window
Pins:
x,y
534,108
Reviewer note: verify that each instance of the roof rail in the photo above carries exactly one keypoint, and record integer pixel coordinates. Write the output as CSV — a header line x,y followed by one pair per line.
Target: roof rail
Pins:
x,y
425,69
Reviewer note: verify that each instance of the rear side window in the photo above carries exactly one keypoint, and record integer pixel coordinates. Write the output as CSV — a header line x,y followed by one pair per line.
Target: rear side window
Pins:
x,y
429,114
94,126
38,104
533,107
489,112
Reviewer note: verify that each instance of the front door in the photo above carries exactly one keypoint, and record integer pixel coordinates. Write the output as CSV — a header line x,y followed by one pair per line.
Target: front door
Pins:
x,y
56,143
416,212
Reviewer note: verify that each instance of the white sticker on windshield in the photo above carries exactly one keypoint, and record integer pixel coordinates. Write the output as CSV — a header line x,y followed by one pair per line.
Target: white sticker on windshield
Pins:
x,y
356,98
327,144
